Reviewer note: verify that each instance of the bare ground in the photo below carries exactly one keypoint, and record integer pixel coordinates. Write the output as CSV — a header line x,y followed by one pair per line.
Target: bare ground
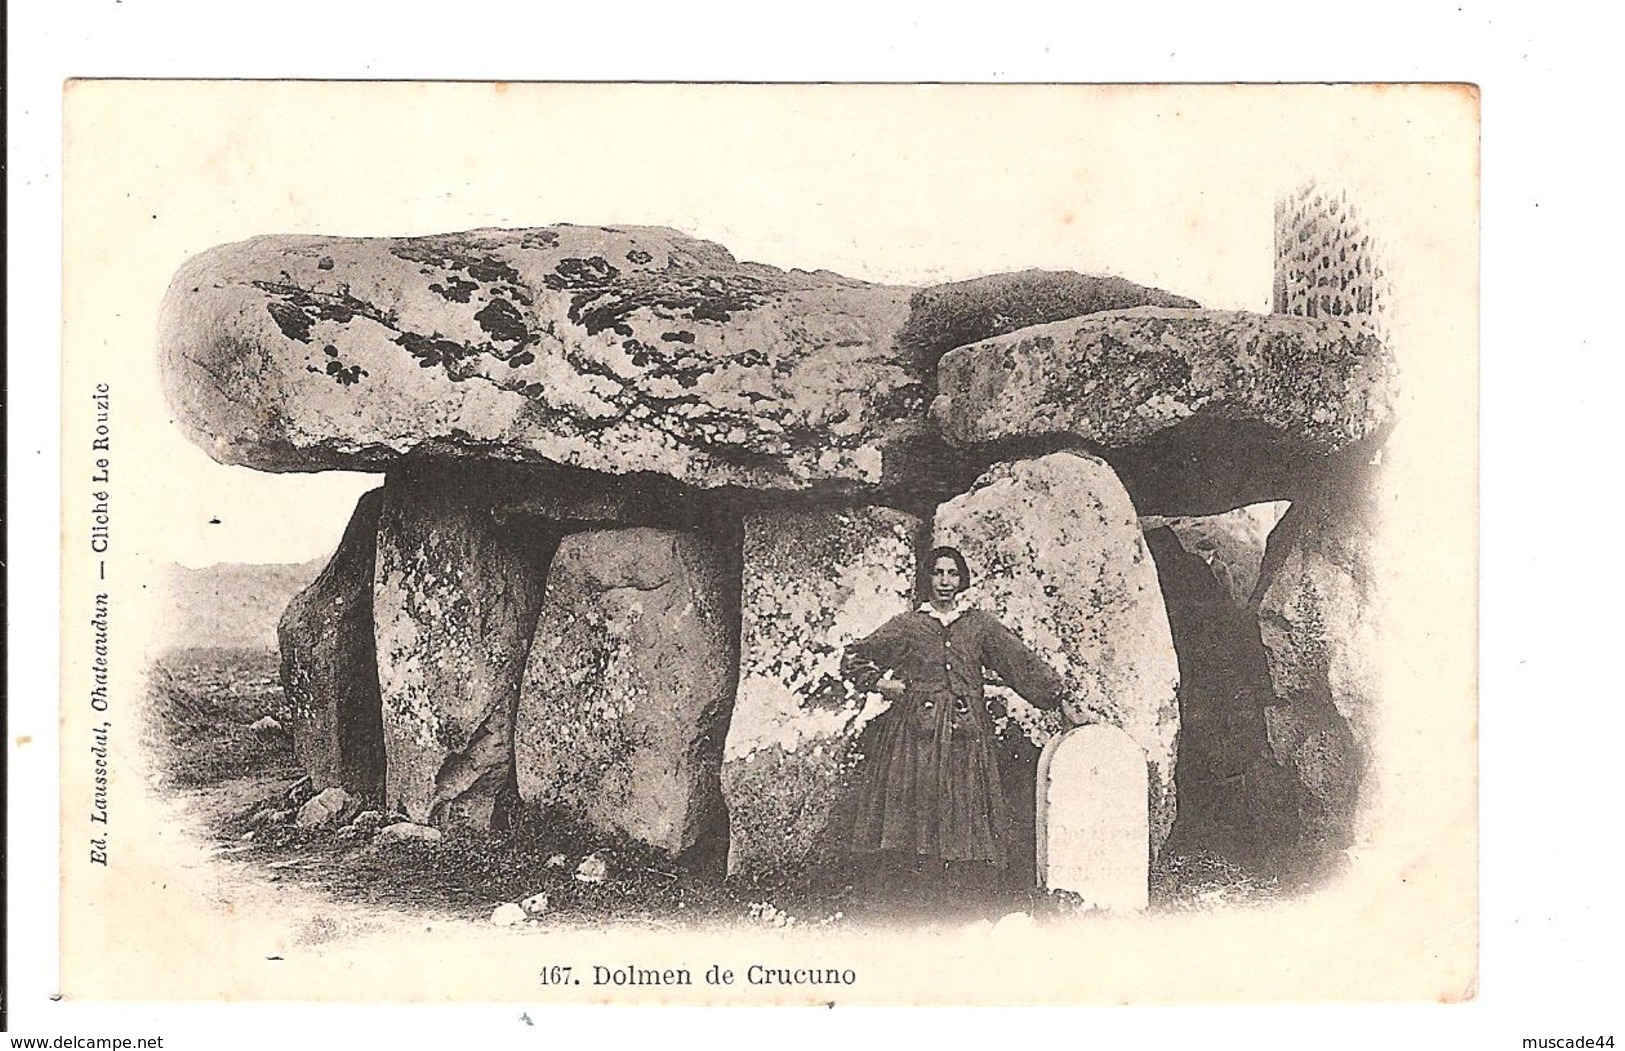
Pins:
x,y
231,777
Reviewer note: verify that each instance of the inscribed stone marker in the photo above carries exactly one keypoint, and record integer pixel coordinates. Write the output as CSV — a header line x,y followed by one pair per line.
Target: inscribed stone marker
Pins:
x,y
1093,828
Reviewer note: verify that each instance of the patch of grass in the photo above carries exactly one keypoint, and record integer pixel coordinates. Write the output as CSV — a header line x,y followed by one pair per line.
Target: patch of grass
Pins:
x,y
202,704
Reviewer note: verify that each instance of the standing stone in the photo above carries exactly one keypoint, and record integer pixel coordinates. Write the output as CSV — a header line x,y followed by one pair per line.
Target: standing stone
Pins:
x,y
627,689
1093,825
1056,553
1318,625
814,581
454,609
330,666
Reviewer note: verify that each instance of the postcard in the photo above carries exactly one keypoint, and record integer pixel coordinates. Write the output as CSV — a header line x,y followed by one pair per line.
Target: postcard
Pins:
x,y
769,544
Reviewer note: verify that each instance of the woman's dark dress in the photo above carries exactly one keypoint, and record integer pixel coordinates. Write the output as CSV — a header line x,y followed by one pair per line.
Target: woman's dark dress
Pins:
x,y
931,786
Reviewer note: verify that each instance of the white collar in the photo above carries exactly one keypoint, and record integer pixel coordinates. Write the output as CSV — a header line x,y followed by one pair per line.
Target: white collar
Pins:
x,y
944,619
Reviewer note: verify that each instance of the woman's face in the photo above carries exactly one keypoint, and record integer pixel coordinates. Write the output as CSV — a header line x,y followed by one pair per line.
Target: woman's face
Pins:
x,y
945,582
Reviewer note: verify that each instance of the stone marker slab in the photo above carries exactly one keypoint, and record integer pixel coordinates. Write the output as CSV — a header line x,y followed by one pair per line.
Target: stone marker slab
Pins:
x,y
1093,826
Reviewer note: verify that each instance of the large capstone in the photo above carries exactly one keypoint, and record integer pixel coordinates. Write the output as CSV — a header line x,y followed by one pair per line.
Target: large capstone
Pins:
x,y
330,667
454,610
629,684
619,350
1200,411
814,581
1056,553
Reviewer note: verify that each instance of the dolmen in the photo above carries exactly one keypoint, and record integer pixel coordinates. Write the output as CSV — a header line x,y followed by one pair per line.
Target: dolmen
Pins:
x,y
638,495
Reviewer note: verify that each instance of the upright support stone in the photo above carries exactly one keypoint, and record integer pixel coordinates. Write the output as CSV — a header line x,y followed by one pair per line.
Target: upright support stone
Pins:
x,y
629,683
1093,827
1056,553
813,582
330,666
1318,622
454,609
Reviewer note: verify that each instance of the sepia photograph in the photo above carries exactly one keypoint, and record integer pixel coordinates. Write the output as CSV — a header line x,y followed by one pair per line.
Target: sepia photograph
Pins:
x,y
769,544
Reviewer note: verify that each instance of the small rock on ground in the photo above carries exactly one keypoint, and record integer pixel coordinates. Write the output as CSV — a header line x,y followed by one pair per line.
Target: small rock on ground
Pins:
x,y
406,831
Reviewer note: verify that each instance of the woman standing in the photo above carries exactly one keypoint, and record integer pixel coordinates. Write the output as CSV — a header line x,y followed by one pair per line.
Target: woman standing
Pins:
x,y
930,809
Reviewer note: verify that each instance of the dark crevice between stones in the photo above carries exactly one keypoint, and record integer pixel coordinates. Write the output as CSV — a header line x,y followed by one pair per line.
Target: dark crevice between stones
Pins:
x,y
361,721
708,856
1235,800
536,543
929,472
1269,780
337,609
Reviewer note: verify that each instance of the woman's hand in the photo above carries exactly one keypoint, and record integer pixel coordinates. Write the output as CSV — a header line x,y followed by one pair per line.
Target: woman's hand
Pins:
x,y
889,688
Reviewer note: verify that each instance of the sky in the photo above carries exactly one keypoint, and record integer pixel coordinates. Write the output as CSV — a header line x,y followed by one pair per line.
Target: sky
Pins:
x,y
1172,187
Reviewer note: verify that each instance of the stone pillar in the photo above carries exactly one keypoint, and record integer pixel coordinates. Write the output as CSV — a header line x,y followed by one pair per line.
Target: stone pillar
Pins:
x,y
1318,624
330,666
813,582
454,609
629,683
1056,553
1326,262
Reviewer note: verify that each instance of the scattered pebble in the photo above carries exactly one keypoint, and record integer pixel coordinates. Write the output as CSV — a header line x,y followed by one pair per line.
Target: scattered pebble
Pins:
x,y
270,816
324,808
508,914
1012,922
266,726
406,831
593,869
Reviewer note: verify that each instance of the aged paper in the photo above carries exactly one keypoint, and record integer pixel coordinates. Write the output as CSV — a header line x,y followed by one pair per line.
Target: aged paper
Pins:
x,y
1173,187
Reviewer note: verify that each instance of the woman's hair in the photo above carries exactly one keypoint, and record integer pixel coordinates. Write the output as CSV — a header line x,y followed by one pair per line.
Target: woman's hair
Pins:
x,y
958,560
